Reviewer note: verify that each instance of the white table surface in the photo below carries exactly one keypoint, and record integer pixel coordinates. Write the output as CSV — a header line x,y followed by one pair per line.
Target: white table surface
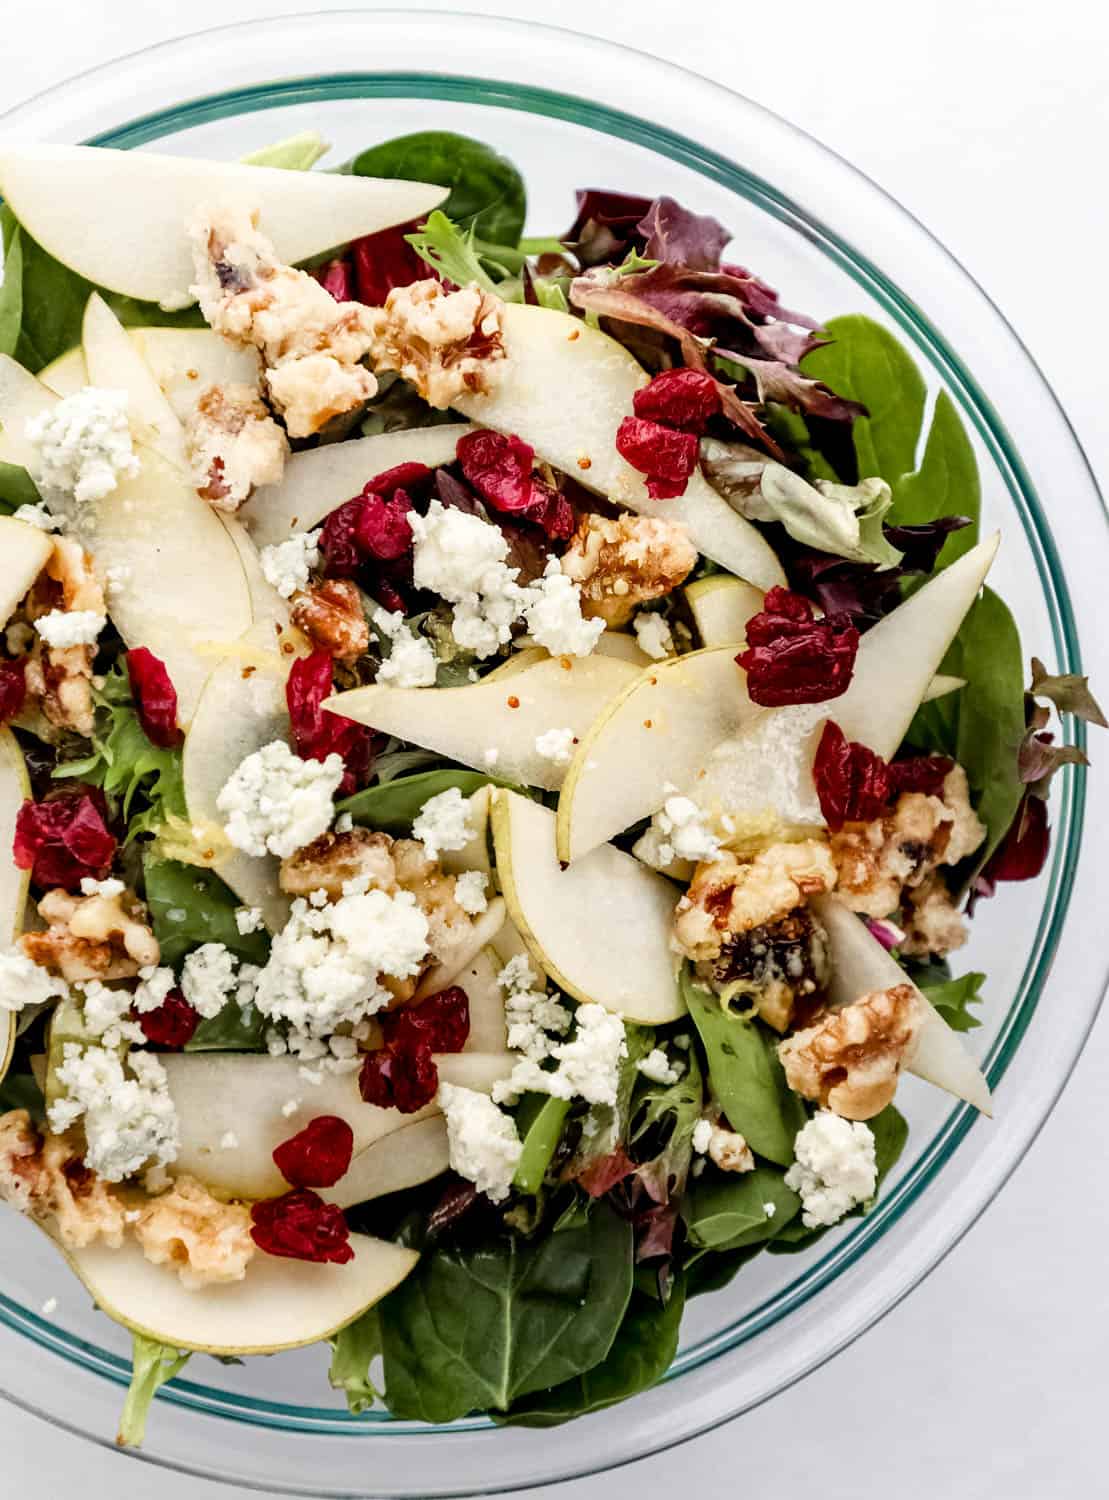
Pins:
x,y
990,120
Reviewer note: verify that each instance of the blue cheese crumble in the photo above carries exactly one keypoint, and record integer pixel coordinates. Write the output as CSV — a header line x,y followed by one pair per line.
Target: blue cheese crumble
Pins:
x,y
443,823
83,445
834,1170
482,1141
276,803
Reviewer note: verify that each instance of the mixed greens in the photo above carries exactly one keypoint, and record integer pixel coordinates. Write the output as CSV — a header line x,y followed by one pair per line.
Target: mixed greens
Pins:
x,y
500,737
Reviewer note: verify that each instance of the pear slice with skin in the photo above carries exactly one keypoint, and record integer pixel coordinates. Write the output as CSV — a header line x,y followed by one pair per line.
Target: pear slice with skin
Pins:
x,y
112,361
241,709
180,588
266,603
859,965
15,786
651,736
565,388
721,607
22,398
119,218
246,1093
469,943
941,685
414,1154
279,1304
24,551
600,929
319,480
463,723
184,362
474,856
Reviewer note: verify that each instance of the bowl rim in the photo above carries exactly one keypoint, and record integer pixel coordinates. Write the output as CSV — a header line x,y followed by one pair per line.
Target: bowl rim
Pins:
x,y
926,339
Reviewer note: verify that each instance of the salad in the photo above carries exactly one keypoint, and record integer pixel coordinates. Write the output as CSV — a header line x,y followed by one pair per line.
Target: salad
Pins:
x,y
501,740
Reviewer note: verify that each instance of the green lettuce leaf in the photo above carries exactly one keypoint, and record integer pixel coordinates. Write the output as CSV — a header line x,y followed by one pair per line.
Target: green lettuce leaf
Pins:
x,y
353,1350
16,488
152,1364
297,153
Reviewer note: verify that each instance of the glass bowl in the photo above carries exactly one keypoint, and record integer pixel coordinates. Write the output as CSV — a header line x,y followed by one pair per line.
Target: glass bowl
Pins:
x,y
833,243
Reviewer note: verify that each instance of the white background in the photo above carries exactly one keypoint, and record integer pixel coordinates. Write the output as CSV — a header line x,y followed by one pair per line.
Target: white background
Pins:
x,y
989,119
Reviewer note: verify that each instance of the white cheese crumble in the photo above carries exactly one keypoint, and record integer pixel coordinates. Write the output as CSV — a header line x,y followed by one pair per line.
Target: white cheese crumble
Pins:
x,y
556,745
770,1209
290,1107
491,756
685,832
834,1170
276,803
657,1067
482,1141
702,1135
411,660
37,515
105,1013
588,1064
443,823
83,445
50,1307
288,565
152,989
211,975
654,635
70,627
23,982
325,965
109,889
554,618
469,892
129,1118
533,1019
462,559
249,919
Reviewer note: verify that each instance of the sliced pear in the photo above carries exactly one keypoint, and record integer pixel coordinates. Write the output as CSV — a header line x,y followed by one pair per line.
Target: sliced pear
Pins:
x,y
112,360
279,1304
650,736
623,646
469,943
860,964
23,553
404,1159
565,389
15,786
528,657
463,723
721,606
508,945
479,980
119,218
241,709
22,398
246,1093
179,585
941,685
475,854
184,362
266,603
319,480
600,929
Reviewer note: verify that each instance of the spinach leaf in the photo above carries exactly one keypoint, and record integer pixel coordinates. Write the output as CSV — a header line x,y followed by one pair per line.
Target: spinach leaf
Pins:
x,y
866,363
891,1131
639,1358
487,193
54,297
746,1076
712,1270
152,1364
477,1328
190,906
393,806
728,1212
354,1348
233,1029
16,488
11,294
20,1091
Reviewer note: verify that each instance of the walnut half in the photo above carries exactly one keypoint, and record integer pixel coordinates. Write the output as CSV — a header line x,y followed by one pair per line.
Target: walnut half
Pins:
x,y
850,1060
623,563
92,937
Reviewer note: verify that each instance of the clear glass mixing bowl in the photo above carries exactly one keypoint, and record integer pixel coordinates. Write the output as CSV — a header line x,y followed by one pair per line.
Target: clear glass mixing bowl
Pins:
x,y
833,243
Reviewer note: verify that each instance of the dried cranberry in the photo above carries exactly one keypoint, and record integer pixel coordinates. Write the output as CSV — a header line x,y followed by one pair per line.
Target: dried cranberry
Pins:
x,y
13,689
65,838
792,657
679,398
442,1021
317,733
318,1155
499,468
403,1078
408,476
338,542
382,528
920,773
385,260
155,698
667,457
336,277
853,783
172,1024
301,1226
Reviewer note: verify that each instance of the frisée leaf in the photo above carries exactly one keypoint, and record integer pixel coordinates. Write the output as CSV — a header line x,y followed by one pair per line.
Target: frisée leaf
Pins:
x,y
152,1364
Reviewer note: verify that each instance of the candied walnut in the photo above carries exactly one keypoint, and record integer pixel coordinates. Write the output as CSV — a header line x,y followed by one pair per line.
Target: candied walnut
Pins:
x,y
849,1061
446,344
311,345
92,937
931,921
729,895
728,1150
330,614
878,862
60,677
624,563
774,966
327,863
45,1177
207,1242
434,893
233,445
